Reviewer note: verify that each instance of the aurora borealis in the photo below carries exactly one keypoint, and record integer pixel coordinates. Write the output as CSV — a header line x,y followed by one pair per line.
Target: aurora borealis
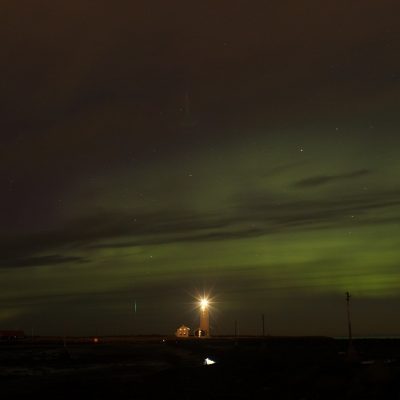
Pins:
x,y
150,152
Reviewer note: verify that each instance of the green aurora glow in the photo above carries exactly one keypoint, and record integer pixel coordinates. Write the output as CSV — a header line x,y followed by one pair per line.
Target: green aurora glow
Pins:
x,y
279,196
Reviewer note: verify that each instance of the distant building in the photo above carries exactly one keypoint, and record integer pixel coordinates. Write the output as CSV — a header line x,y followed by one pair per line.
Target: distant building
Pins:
x,y
183,331
11,335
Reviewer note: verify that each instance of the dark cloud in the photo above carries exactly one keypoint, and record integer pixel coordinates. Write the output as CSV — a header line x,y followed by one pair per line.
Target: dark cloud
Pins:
x,y
317,214
252,218
319,180
39,261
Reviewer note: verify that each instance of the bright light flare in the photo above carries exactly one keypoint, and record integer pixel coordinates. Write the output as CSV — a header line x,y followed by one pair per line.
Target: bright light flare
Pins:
x,y
204,304
203,301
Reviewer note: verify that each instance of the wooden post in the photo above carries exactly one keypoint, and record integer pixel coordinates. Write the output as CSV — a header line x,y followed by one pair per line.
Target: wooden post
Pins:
x,y
348,318
263,324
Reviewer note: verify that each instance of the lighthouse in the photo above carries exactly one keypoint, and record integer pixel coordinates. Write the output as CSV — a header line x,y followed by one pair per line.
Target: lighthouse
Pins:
x,y
204,329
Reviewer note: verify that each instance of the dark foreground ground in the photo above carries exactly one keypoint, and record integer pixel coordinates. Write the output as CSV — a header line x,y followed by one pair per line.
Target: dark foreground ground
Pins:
x,y
272,368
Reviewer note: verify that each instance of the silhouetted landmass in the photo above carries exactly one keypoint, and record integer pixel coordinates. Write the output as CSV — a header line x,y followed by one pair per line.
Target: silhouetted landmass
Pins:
x,y
245,368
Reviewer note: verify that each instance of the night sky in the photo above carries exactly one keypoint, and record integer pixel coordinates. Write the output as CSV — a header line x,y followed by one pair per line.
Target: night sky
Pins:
x,y
151,151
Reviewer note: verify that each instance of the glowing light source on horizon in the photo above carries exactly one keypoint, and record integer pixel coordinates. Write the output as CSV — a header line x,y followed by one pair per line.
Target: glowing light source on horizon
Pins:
x,y
203,304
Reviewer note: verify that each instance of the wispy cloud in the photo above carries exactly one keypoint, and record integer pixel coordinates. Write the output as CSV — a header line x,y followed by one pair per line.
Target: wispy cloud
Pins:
x,y
320,180
37,261
251,217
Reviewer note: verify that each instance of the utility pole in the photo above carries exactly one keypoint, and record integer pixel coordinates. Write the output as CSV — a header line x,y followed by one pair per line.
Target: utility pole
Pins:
x,y
263,324
236,328
348,318
134,310
351,352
